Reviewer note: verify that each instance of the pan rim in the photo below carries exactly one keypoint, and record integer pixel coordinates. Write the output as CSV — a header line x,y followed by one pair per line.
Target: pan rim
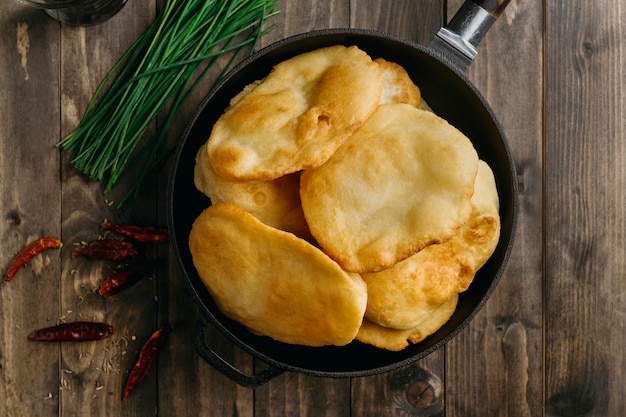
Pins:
x,y
206,312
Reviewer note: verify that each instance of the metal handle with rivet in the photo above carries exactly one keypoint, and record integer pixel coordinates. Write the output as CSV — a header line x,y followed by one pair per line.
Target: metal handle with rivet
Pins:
x,y
466,29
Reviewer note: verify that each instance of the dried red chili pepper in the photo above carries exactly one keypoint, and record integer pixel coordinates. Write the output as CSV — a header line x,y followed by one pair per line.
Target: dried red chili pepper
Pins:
x,y
74,331
124,279
28,252
147,355
110,249
144,234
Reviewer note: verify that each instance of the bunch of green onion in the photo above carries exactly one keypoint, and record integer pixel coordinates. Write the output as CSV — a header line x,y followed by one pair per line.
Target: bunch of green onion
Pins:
x,y
157,74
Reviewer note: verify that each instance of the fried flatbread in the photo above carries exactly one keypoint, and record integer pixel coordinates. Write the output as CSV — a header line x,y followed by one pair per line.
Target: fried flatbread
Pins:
x,y
396,340
424,105
479,237
401,182
276,202
274,283
405,294
297,116
397,85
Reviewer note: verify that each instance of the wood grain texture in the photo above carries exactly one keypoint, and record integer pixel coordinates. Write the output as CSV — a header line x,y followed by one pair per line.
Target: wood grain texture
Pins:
x,y
386,394
585,180
496,361
30,185
415,21
548,342
296,395
93,374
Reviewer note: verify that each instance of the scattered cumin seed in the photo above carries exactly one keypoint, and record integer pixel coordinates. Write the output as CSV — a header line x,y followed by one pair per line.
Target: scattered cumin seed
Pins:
x,y
65,385
63,317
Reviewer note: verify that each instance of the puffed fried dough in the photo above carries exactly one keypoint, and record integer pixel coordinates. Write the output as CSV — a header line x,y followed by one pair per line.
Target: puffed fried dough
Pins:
x,y
276,202
404,295
481,233
274,283
424,106
297,116
401,182
397,85
396,340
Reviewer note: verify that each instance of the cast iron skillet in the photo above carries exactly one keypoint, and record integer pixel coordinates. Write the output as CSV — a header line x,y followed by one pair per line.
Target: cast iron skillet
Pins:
x,y
439,71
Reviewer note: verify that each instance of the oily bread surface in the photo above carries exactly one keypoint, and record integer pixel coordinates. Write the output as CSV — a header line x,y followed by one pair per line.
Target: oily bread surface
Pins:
x,y
275,202
274,283
283,287
405,294
397,85
297,116
396,340
401,182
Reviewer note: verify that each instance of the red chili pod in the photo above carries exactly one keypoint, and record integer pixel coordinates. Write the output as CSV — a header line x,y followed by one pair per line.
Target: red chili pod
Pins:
x,y
77,331
146,358
144,234
109,249
28,252
124,279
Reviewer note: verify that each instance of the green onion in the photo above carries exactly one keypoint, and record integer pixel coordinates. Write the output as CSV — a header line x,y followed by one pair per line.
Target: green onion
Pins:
x,y
157,74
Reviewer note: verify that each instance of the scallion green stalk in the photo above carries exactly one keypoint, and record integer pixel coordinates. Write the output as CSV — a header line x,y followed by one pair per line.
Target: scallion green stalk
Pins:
x,y
156,75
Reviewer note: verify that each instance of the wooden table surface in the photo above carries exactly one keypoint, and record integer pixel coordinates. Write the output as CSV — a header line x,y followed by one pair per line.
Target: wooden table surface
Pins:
x,y
548,342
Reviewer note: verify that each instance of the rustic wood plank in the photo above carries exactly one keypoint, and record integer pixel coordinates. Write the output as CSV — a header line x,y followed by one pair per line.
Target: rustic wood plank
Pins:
x,y
415,21
386,394
494,367
191,387
93,374
305,15
416,389
495,363
30,185
206,388
586,206
294,394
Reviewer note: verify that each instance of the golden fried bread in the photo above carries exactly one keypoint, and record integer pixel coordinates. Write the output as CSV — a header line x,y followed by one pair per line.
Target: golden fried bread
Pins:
x,y
396,340
405,294
297,116
479,237
343,152
397,85
401,182
424,106
274,283
276,202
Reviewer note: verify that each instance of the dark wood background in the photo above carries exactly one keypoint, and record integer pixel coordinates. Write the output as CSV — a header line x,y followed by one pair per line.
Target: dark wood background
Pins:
x,y
549,341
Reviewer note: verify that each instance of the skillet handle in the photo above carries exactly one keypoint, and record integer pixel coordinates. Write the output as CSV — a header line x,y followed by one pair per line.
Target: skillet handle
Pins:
x,y
495,7
227,369
459,38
